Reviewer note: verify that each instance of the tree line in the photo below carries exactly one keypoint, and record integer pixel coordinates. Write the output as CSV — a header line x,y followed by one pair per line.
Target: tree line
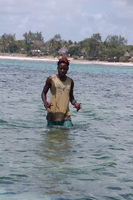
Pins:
x,y
112,48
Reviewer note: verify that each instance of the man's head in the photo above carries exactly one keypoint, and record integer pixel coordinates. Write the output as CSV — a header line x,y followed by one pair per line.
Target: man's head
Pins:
x,y
63,66
63,60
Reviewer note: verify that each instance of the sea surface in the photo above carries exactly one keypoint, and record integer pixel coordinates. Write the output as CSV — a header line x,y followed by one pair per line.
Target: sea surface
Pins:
x,y
93,160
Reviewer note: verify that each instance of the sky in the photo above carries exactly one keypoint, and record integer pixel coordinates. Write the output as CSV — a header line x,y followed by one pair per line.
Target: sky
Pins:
x,y
73,19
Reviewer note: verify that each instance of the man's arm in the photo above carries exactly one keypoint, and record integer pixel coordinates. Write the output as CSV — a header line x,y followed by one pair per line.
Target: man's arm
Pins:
x,y
72,99
45,91
71,91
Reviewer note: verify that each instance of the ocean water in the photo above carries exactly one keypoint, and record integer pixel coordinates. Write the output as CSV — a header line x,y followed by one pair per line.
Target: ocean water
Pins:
x,y
93,160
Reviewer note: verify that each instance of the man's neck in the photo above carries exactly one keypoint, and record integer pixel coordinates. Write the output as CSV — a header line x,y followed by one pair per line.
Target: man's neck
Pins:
x,y
62,78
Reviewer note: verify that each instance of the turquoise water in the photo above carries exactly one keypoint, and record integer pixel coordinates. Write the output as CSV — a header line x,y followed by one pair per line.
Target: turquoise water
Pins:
x,y
92,160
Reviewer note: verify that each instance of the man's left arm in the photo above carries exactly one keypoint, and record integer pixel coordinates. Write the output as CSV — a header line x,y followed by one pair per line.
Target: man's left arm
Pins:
x,y
72,99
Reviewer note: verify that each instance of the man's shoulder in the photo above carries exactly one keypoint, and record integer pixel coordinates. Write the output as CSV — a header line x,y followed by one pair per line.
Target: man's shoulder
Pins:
x,y
69,78
49,80
53,76
50,77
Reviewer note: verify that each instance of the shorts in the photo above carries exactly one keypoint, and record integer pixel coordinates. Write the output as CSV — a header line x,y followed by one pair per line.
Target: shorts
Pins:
x,y
62,123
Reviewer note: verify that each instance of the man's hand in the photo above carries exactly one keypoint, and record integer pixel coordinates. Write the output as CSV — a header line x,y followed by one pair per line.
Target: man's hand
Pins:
x,y
77,106
48,105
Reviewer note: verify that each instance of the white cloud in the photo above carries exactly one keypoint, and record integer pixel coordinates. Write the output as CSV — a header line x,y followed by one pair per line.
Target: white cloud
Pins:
x,y
73,19
85,31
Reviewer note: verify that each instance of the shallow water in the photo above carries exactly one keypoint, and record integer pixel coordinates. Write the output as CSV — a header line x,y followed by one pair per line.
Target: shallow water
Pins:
x,y
92,160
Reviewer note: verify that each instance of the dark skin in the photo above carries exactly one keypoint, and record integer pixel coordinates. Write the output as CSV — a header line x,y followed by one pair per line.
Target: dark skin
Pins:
x,y
62,71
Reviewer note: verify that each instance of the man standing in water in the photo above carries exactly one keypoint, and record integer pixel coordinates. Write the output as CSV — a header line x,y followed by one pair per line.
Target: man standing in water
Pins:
x,y
61,92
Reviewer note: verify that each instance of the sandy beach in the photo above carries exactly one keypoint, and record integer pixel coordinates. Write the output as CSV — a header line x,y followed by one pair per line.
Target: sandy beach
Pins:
x,y
50,59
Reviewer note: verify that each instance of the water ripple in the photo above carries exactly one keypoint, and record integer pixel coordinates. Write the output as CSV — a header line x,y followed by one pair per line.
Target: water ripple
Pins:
x,y
92,160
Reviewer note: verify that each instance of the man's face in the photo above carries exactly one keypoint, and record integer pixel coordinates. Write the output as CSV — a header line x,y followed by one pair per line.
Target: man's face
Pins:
x,y
62,69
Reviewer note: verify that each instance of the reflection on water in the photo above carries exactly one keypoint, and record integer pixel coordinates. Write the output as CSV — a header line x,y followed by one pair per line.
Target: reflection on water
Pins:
x,y
55,153
56,145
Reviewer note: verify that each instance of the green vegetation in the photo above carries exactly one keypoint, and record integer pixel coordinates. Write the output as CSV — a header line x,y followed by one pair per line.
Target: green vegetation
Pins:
x,y
114,47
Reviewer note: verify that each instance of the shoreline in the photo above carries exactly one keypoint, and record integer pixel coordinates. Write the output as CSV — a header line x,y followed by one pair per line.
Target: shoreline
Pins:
x,y
50,59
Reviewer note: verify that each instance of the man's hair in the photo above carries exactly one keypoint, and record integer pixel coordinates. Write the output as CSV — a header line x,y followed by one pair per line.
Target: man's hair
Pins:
x,y
63,60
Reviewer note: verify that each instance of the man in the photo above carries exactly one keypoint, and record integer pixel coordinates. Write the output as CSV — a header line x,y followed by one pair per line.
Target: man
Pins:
x,y
61,87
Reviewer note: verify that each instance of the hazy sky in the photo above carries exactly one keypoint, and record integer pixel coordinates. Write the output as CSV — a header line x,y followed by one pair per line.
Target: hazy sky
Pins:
x,y
72,19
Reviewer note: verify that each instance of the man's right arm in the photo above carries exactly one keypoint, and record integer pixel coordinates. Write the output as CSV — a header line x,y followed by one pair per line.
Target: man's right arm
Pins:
x,y
45,91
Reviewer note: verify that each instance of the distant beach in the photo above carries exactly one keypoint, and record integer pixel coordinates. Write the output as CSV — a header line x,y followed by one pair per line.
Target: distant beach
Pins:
x,y
51,59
